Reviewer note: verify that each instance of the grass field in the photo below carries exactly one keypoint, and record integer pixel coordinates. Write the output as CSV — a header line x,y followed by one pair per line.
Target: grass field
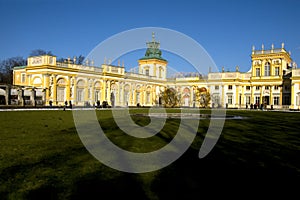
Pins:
x,y
42,157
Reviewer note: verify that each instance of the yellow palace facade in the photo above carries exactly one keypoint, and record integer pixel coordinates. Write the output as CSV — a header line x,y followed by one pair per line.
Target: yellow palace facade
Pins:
x,y
272,81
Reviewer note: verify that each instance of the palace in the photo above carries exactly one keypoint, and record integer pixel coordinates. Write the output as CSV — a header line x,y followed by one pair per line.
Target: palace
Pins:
x,y
273,80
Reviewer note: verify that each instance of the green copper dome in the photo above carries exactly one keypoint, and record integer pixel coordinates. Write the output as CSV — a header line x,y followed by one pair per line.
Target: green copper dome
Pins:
x,y
153,50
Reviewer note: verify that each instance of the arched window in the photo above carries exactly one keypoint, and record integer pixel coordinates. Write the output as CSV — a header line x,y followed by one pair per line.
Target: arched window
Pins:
x,y
61,81
160,72
80,91
37,81
97,91
80,83
61,90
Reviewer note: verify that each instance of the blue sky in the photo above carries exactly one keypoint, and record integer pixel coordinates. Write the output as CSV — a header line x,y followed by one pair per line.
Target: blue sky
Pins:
x,y
226,29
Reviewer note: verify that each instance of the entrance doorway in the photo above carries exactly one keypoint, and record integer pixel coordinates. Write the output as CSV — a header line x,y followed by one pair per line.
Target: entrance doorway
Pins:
x,y
266,100
2,100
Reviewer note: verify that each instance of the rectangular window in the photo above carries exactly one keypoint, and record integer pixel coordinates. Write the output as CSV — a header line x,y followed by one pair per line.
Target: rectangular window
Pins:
x,y
247,99
276,101
247,87
23,78
276,71
229,99
216,99
267,70
257,100
216,87
229,87
267,88
276,87
257,71
257,87
147,72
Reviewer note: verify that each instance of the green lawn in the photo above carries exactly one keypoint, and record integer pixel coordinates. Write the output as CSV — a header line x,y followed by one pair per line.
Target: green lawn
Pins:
x,y
42,157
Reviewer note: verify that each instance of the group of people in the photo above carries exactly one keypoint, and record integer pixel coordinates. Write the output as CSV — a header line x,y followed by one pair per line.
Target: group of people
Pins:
x,y
65,105
257,106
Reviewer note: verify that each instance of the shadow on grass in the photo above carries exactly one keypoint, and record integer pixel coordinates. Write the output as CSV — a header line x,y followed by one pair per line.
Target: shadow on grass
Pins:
x,y
45,192
221,175
256,157
94,187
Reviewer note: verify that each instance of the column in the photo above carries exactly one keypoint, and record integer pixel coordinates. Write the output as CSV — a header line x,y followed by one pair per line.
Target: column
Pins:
x,y
252,99
33,96
271,96
133,98
72,89
121,93
129,96
75,91
68,88
261,95
117,94
108,92
280,97
92,92
237,96
223,96
243,100
86,91
54,90
152,96
103,91
142,93
44,96
46,85
292,96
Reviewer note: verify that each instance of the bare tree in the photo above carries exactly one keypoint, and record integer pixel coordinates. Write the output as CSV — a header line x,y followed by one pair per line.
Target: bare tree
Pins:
x,y
6,67
40,52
